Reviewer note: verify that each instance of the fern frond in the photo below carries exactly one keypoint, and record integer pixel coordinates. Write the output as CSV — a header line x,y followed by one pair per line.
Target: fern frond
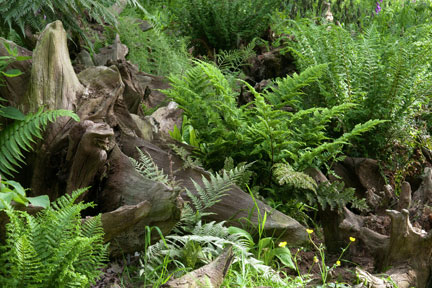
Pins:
x,y
210,238
210,193
20,136
189,161
52,248
148,169
334,196
286,175
288,89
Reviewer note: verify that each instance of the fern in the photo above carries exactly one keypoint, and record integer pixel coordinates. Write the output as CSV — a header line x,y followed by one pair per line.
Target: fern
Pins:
x,y
207,194
154,51
53,248
19,136
19,15
148,169
334,196
209,240
316,155
210,193
262,130
223,24
288,90
378,71
189,161
286,175
232,61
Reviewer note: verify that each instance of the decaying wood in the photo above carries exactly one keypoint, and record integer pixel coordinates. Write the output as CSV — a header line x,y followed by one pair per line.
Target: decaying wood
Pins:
x,y
121,219
76,155
237,207
140,87
54,83
404,255
96,151
114,52
92,142
424,193
406,251
210,275
405,196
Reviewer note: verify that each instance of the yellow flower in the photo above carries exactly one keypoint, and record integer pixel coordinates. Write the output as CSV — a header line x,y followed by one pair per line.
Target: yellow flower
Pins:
x,y
309,231
315,259
282,244
352,239
337,263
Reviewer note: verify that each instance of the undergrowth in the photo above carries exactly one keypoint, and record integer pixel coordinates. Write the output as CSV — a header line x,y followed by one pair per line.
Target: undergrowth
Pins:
x,y
262,130
155,51
53,248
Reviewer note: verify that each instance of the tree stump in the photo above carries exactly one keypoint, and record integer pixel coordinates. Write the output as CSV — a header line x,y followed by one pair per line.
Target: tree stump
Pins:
x,y
95,152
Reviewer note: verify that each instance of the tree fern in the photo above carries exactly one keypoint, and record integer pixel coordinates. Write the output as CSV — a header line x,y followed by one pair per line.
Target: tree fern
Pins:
x,y
53,248
20,136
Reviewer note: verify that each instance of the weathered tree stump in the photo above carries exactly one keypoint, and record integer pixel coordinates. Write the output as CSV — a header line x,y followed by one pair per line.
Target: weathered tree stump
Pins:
x,y
95,152
404,255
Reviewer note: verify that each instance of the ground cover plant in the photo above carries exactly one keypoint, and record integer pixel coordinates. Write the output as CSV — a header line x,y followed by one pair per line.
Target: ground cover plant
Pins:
x,y
339,140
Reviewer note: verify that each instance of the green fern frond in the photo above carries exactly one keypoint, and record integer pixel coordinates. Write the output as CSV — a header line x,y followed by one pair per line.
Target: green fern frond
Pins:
x,y
210,239
189,161
52,248
286,175
19,15
317,156
335,196
20,136
288,89
210,193
148,169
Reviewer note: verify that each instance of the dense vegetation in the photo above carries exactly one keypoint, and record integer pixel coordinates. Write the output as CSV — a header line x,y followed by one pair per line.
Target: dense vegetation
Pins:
x,y
361,87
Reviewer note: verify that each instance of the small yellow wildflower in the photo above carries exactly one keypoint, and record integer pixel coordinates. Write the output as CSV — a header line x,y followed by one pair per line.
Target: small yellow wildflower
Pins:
x,y
315,259
309,231
282,244
352,239
338,263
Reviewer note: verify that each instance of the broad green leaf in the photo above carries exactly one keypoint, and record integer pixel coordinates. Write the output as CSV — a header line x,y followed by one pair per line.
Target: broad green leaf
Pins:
x,y
20,199
5,197
12,73
284,255
22,58
17,187
265,242
175,134
11,113
41,201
